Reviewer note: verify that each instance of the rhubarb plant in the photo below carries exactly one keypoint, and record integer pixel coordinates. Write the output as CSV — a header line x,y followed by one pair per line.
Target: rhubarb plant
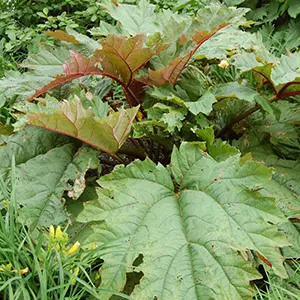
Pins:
x,y
168,143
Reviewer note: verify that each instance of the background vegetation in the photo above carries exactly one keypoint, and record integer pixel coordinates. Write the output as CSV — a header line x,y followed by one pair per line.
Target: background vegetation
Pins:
x,y
247,106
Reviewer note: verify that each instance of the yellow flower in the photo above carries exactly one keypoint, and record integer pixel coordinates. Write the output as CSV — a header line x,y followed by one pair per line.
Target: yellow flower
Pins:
x,y
93,246
6,267
58,233
51,232
75,272
23,271
139,116
224,64
74,248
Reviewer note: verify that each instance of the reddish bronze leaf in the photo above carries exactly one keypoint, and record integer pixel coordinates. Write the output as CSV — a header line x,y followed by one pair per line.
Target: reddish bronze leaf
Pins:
x,y
171,72
72,119
267,262
76,67
62,36
122,57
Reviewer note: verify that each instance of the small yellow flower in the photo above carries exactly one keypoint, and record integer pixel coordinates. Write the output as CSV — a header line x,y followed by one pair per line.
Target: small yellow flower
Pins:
x,y
57,236
75,272
224,64
93,246
74,248
23,271
51,232
139,116
58,233
5,268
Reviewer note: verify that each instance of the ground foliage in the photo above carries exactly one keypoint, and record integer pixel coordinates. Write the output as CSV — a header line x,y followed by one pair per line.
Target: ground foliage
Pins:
x,y
204,139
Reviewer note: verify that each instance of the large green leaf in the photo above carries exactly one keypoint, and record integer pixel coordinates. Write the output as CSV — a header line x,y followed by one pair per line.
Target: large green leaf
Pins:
x,y
235,90
47,165
280,131
77,66
21,86
43,67
294,8
194,239
135,18
70,118
265,137
282,74
214,15
285,186
28,144
288,70
48,60
203,105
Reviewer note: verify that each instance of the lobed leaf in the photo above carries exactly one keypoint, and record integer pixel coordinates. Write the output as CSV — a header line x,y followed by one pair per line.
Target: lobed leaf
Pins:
x,y
278,131
135,19
194,240
281,74
122,57
71,36
76,67
235,90
171,72
48,61
203,105
286,188
70,118
46,166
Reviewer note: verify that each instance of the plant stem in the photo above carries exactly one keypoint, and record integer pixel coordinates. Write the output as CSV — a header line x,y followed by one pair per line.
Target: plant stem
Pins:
x,y
157,152
133,152
139,146
243,116
119,158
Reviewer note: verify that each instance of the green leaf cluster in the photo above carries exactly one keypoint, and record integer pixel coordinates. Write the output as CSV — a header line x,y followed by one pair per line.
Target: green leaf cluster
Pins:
x,y
171,143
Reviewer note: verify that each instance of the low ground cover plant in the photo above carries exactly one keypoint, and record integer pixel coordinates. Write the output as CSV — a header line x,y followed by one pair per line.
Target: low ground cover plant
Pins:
x,y
170,142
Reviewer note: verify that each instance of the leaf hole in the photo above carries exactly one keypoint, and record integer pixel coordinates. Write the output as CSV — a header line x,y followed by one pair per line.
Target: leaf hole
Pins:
x,y
138,260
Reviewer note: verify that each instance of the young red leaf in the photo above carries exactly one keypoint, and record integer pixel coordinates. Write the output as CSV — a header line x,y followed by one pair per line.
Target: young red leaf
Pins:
x,y
76,67
122,57
171,72
62,36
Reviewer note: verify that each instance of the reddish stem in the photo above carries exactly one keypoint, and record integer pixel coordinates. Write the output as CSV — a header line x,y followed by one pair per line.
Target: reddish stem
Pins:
x,y
267,80
190,55
286,86
254,109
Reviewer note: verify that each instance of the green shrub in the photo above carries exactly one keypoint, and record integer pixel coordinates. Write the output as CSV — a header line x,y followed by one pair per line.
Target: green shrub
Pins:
x,y
186,176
